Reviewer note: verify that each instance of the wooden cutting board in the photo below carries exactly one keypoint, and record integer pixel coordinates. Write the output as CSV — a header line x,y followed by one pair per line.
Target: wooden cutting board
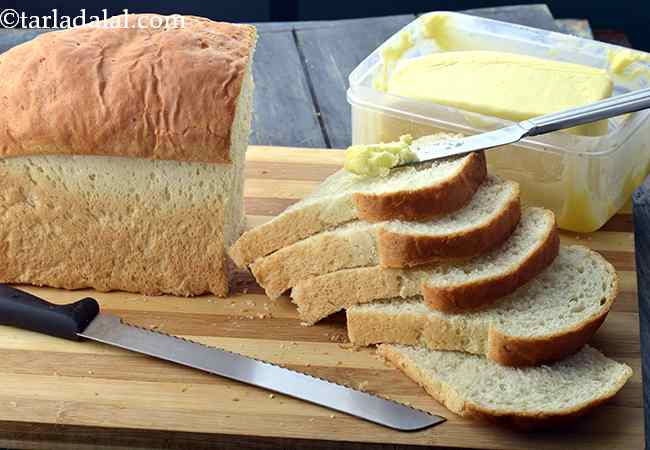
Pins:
x,y
67,395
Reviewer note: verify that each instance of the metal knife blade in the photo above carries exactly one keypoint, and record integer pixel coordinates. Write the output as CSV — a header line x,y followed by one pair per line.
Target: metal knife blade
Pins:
x,y
112,330
82,319
429,151
610,107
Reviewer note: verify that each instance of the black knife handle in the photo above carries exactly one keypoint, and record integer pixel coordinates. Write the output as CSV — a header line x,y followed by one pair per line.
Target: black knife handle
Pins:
x,y
23,310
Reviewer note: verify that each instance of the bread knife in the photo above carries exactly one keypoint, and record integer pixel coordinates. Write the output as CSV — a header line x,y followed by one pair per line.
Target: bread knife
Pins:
x,y
83,320
604,109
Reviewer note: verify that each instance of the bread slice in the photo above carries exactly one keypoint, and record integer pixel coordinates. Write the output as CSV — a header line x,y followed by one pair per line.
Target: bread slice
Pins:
x,y
484,223
408,193
473,386
449,287
547,319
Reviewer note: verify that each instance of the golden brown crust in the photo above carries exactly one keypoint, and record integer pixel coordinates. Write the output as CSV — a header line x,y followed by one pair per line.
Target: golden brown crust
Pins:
x,y
399,250
423,204
515,351
520,351
532,422
136,92
481,293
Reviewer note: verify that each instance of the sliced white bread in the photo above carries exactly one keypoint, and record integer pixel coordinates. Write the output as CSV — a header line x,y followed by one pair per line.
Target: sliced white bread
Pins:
x,y
473,386
449,287
409,193
552,316
484,223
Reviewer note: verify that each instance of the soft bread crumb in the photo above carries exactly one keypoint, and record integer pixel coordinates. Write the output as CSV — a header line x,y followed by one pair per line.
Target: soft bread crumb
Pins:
x,y
471,385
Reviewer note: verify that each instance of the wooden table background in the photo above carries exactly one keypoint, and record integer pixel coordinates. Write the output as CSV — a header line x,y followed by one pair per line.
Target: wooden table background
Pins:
x,y
301,72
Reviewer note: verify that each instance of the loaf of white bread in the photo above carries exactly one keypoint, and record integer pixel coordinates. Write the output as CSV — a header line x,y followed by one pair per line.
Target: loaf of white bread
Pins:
x,y
122,156
469,294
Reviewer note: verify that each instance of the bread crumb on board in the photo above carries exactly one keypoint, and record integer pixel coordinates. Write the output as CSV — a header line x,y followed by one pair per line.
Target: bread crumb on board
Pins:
x,y
350,346
337,337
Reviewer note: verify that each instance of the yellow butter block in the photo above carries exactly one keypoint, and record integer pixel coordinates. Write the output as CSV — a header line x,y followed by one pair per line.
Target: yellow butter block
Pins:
x,y
505,85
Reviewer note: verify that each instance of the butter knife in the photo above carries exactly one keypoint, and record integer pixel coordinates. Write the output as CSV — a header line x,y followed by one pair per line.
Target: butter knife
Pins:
x,y
604,109
83,320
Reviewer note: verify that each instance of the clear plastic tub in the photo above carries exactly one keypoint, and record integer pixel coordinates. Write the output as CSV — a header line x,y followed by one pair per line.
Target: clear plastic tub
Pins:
x,y
583,179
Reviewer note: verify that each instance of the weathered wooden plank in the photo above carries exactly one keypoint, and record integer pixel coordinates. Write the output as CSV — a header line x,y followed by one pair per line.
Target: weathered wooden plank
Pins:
x,y
576,27
11,38
534,15
330,54
312,24
283,112
641,213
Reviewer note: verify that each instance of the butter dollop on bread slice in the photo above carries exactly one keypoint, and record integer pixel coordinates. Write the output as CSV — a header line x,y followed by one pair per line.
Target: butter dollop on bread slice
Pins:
x,y
450,287
473,386
484,223
122,156
408,193
547,319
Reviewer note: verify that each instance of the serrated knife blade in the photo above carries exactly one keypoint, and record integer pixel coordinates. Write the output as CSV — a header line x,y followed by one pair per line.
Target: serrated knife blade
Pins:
x,y
83,320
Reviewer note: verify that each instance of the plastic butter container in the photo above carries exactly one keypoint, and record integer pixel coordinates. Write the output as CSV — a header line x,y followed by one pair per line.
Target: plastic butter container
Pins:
x,y
583,179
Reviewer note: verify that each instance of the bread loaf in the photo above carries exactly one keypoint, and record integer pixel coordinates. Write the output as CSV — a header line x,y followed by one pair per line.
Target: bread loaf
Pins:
x,y
123,155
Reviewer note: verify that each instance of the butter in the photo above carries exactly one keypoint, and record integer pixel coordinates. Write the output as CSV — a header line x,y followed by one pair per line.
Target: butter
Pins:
x,y
436,27
390,55
620,63
505,85
377,159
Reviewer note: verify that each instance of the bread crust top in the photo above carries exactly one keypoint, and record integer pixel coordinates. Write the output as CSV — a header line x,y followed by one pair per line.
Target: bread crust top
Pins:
x,y
143,92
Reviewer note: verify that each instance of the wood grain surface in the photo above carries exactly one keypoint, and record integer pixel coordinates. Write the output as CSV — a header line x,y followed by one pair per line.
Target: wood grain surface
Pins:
x,y
60,394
